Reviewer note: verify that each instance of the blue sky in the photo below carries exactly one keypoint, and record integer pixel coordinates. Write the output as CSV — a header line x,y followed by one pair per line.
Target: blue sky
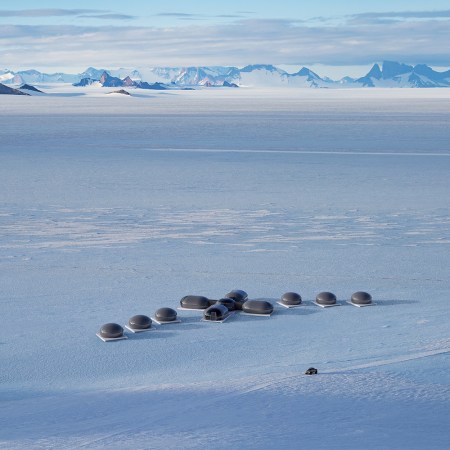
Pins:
x,y
71,35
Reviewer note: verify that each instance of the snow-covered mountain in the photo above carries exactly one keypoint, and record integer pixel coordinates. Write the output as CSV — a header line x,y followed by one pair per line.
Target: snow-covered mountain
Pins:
x,y
260,75
186,76
390,74
307,78
257,75
34,76
92,73
394,74
5,75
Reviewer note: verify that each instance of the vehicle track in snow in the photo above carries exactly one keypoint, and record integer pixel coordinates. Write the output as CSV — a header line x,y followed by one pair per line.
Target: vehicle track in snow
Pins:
x,y
393,360
97,429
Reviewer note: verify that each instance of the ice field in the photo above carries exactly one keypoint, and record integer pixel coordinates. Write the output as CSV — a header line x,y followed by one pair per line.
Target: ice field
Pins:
x,y
114,206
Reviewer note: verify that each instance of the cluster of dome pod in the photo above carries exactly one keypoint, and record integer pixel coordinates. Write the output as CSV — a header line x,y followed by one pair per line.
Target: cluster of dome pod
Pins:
x,y
218,310
359,298
136,324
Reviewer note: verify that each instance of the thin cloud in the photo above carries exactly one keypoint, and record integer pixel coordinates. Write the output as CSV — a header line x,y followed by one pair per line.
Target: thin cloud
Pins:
x,y
48,12
444,14
110,16
176,14
194,19
192,16
385,18
230,16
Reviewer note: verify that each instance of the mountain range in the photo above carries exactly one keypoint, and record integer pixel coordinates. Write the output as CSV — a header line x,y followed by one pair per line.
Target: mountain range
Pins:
x,y
393,74
389,74
107,80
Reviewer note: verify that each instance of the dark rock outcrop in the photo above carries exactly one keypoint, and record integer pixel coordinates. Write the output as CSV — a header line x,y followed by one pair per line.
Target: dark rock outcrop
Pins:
x,y
107,80
85,82
28,87
5,90
227,84
120,91
155,86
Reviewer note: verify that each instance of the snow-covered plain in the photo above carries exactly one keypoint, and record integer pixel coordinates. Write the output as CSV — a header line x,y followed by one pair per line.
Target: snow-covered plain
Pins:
x,y
115,206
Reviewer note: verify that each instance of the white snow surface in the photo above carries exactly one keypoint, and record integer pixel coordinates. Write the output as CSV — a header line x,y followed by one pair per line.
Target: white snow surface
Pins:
x,y
111,208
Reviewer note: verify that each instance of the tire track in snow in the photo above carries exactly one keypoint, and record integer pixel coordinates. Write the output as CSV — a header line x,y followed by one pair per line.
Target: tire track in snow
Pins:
x,y
294,152
247,386
271,383
394,360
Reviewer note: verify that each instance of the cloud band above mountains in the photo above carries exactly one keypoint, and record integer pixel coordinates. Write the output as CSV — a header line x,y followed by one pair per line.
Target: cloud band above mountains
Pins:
x,y
360,39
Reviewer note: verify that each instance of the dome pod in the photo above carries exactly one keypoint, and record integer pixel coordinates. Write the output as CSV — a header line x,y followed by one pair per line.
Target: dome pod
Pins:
x,y
291,299
228,302
166,315
111,331
194,302
238,296
216,313
326,299
361,298
257,307
140,322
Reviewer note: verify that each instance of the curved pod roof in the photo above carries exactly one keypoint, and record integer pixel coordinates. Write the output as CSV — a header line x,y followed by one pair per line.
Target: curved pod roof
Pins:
x,y
228,302
257,307
291,298
166,314
140,322
361,298
111,331
326,298
238,296
216,312
194,302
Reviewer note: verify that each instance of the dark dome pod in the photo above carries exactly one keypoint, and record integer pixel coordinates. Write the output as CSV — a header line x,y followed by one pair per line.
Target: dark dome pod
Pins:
x,y
166,315
238,296
216,312
140,322
111,331
228,302
257,307
361,298
194,302
326,298
291,298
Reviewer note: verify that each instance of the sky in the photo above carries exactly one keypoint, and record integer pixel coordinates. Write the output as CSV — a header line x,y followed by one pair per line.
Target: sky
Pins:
x,y
335,37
